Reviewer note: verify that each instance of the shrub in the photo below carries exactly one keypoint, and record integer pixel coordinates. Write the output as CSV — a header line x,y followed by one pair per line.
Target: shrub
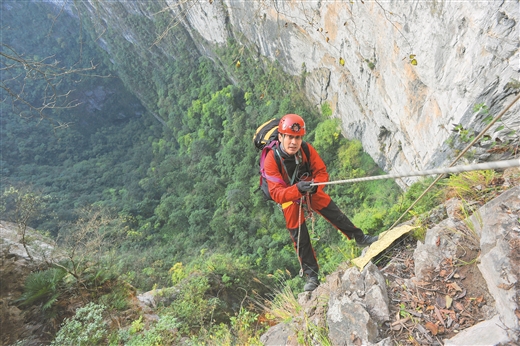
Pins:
x,y
85,328
161,333
429,201
191,306
370,220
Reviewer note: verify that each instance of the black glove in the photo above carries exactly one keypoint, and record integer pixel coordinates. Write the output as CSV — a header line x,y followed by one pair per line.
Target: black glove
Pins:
x,y
305,186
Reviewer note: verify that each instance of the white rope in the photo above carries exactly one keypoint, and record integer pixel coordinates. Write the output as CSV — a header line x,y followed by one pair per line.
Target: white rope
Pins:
x,y
456,169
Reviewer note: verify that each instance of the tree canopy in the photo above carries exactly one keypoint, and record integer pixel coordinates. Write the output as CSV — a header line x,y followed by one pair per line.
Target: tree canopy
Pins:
x,y
188,182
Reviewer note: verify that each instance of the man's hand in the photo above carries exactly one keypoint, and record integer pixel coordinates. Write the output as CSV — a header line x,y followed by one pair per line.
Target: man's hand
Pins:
x,y
305,187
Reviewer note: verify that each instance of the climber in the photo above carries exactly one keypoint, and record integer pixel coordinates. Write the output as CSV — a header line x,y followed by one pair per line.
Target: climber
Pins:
x,y
291,180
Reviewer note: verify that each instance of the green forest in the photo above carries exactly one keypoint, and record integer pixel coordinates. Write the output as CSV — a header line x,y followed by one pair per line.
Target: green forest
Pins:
x,y
152,156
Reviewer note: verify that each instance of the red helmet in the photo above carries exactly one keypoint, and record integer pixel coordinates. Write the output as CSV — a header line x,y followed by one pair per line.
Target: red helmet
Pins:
x,y
291,124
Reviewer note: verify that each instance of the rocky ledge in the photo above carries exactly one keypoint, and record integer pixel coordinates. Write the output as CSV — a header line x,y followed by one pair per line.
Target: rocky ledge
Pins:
x,y
458,287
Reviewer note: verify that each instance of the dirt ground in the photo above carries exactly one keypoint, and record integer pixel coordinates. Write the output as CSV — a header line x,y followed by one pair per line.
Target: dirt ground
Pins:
x,y
452,298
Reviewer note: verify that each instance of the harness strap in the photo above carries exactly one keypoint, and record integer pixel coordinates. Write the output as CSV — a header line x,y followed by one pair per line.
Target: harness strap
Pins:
x,y
277,180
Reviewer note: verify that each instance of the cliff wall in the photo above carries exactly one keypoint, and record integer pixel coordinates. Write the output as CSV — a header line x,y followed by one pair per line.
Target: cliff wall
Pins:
x,y
399,75
360,58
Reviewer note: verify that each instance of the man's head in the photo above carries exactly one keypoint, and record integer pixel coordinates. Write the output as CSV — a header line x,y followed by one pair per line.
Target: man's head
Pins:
x,y
290,133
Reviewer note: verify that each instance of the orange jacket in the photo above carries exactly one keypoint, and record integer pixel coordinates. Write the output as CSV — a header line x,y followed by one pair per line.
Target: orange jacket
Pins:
x,y
282,193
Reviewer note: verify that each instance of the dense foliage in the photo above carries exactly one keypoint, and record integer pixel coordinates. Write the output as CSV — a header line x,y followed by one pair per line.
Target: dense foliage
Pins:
x,y
180,172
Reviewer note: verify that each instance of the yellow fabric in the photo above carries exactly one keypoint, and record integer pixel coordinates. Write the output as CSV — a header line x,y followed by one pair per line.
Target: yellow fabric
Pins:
x,y
262,126
385,240
286,204
270,132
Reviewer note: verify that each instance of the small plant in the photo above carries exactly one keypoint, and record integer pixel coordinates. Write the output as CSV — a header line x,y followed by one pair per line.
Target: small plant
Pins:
x,y
466,135
412,59
284,307
192,307
163,332
474,185
449,142
469,232
420,221
242,326
43,287
513,84
178,272
312,334
86,328
371,64
402,311
326,111
136,326
484,109
481,108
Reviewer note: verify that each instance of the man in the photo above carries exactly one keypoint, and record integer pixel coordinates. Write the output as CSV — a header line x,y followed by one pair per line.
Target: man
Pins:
x,y
290,176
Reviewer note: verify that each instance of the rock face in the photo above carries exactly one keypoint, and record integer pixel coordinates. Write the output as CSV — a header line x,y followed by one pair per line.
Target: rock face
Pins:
x,y
357,305
15,266
398,74
357,56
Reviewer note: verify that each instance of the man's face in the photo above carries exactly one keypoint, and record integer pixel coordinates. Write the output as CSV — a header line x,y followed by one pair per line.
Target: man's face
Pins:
x,y
291,144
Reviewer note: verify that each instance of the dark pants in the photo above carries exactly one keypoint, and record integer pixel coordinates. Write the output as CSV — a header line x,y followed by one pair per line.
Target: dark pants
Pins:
x,y
304,248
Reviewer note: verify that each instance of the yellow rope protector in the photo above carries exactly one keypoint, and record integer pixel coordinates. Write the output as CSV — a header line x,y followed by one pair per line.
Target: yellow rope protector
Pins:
x,y
287,204
385,240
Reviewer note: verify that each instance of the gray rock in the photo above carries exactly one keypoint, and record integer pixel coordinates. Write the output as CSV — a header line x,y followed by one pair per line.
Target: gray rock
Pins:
x,y
374,296
353,283
490,332
439,244
277,335
162,296
349,322
495,224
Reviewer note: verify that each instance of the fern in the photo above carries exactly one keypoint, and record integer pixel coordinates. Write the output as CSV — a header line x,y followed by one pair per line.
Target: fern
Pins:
x,y
42,287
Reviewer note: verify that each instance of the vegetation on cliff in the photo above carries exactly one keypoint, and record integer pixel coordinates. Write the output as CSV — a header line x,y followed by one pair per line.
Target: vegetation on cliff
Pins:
x,y
181,192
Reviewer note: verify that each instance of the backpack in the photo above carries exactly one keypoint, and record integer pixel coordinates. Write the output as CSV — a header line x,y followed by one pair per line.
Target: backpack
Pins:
x,y
265,139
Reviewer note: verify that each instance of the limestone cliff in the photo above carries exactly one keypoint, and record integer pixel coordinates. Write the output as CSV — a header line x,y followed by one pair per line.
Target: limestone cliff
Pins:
x,y
358,57
398,74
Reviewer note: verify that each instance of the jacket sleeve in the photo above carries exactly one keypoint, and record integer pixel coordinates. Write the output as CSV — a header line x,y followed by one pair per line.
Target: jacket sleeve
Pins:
x,y
280,192
318,167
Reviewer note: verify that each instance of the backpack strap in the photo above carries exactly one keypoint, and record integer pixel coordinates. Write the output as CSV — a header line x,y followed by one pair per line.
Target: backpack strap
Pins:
x,y
271,146
306,150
